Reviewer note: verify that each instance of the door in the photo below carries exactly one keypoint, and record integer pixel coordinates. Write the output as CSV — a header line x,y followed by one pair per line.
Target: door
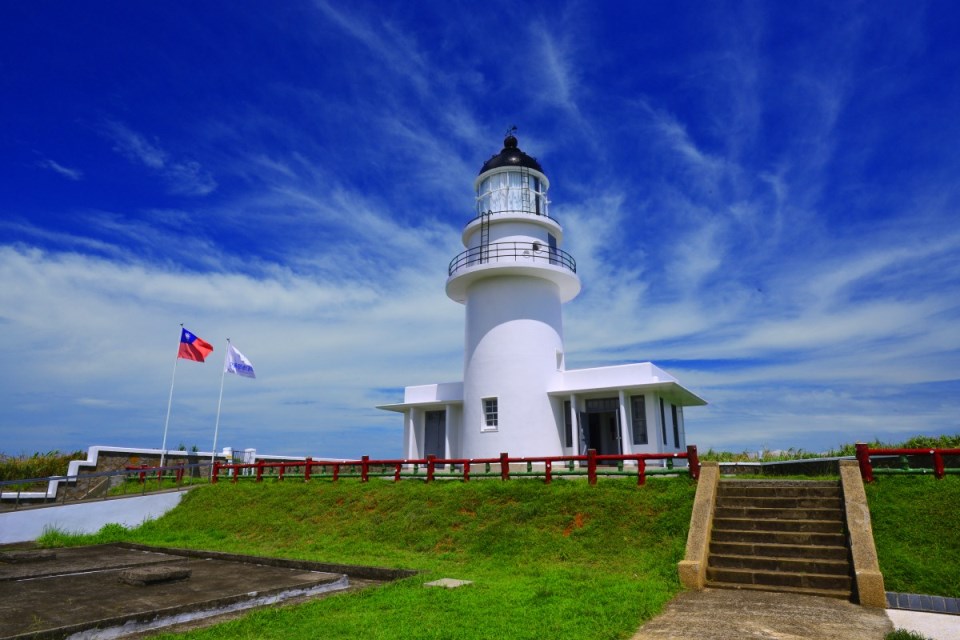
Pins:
x,y
435,434
601,426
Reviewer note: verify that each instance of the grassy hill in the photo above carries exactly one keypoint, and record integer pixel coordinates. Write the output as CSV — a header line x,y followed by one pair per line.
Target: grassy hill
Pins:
x,y
916,527
566,560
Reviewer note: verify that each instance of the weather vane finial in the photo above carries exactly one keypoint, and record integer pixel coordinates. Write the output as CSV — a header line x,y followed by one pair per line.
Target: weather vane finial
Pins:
x,y
512,130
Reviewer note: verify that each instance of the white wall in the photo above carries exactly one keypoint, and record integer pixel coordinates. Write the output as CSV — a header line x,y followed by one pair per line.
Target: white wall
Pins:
x,y
513,333
86,517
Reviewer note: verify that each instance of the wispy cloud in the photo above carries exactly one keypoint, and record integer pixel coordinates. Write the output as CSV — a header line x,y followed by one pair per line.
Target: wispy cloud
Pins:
x,y
182,176
66,172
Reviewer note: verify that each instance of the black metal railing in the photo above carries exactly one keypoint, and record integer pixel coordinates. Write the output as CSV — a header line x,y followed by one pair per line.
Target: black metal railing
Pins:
x,y
512,252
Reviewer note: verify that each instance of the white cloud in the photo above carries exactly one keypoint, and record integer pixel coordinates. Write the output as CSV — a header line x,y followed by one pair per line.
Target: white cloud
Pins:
x,y
183,177
66,172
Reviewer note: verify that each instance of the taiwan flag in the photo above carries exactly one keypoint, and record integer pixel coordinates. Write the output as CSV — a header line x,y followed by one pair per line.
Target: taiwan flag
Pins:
x,y
192,347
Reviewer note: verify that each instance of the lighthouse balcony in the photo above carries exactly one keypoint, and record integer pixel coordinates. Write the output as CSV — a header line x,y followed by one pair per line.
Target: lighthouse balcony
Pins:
x,y
513,258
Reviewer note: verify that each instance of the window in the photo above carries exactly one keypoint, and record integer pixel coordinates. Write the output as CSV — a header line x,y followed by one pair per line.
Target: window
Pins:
x,y
490,419
567,425
638,415
663,424
603,405
676,427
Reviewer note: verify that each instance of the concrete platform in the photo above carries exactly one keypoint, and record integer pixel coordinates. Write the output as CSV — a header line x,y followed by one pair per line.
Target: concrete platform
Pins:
x,y
722,614
79,590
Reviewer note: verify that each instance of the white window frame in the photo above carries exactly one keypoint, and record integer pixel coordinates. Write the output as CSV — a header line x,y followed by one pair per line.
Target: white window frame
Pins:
x,y
491,419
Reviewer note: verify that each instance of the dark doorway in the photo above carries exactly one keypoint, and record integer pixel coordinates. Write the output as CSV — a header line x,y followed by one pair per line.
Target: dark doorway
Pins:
x,y
600,423
435,434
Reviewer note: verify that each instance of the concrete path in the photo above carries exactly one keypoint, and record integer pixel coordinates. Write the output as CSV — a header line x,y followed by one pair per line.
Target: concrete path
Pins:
x,y
930,625
724,614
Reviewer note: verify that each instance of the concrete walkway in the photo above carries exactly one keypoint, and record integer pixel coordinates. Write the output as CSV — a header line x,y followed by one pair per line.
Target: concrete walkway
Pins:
x,y
724,614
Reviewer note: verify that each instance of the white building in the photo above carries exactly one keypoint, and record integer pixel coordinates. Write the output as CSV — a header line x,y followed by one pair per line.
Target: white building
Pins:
x,y
517,396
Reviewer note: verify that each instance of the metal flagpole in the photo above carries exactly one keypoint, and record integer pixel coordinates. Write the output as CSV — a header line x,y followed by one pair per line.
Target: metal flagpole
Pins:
x,y
216,429
163,447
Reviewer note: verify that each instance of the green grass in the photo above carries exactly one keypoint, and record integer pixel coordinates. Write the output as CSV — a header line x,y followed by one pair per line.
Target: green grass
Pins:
x,y
565,560
903,634
916,527
946,441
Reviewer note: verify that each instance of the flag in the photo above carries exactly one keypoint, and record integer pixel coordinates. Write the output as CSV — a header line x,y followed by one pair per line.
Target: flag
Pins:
x,y
192,347
237,363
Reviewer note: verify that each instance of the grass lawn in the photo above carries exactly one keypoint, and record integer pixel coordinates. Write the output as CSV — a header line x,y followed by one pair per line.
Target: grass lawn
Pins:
x,y
565,560
916,527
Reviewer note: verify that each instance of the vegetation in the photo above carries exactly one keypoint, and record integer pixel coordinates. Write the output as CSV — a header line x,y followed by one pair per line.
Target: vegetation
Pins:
x,y
903,634
766,455
38,465
915,524
565,560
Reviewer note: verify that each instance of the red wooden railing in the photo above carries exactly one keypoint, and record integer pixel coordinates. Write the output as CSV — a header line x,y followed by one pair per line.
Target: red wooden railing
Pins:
x,y
143,468
864,451
592,459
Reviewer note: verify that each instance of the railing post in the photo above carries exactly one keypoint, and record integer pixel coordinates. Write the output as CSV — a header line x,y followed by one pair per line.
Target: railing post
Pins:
x,y
281,470
592,466
364,468
504,467
215,474
236,473
179,475
431,466
336,471
396,472
306,469
547,467
863,459
642,472
938,471
466,471
693,461
259,470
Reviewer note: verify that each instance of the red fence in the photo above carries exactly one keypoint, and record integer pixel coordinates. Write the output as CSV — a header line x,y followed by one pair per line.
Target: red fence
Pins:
x,y
462,466
864,452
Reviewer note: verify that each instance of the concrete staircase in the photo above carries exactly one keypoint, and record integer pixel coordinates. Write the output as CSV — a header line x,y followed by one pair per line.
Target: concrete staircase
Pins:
x,y
780,535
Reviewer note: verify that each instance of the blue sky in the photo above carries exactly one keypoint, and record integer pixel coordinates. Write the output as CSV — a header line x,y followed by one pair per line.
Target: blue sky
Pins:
x,y
761,198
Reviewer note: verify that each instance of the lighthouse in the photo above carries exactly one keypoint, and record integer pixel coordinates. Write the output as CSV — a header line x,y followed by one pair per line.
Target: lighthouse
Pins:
x,y
513,279
517,395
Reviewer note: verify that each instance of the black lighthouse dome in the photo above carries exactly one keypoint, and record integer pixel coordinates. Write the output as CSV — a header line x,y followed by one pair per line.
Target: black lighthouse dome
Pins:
x,y
511,156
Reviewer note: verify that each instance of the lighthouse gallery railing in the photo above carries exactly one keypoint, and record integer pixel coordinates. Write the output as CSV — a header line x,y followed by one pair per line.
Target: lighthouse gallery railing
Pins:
x,y
512,252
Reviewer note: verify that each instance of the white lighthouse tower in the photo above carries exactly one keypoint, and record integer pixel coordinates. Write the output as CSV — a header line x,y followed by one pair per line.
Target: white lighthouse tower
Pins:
x,y
517,395
513,279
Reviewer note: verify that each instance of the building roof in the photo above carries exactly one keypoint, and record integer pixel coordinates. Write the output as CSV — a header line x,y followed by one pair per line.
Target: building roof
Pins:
x,y
635,377
511,156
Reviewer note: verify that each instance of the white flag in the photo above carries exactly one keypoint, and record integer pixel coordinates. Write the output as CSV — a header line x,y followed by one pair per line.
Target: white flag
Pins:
x,y
237,363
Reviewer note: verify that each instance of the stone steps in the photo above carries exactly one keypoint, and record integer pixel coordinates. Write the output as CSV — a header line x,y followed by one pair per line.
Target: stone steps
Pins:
x,y
781,578
778,502
780,536
767,550
800,538
779,563
764,513
752,524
